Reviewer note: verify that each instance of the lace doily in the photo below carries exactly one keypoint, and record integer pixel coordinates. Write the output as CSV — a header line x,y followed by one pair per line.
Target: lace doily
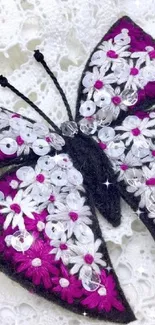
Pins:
x,y
66,31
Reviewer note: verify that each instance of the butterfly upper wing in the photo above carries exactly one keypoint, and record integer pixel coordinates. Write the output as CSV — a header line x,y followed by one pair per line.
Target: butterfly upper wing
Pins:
x,y
116,95
50,240
22,139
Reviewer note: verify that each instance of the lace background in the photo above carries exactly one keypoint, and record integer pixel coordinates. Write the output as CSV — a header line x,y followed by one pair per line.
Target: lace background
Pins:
x,y
66,31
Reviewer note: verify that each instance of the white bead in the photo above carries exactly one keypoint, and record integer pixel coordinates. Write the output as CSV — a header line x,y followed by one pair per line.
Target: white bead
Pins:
x,y
8,146
25,174
84,234
8,240
75,177
106,134
46,162
102,96
41,147
90,279
21,241
13,184
40,226
64,161
88,108
88,126
64,283
102,291
28,135
57,141
116,149
54,230
36,262
59,177
129,97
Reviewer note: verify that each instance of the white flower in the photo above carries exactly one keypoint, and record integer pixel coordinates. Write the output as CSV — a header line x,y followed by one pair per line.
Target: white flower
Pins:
x,y
136,130
112,52
87,256
110,100
56,197
145,56
16,208
131,74
34,179
62,248
72,214
97,80
122,165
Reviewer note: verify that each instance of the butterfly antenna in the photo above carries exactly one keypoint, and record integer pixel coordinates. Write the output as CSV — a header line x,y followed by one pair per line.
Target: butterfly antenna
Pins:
x,y
5,83
40,58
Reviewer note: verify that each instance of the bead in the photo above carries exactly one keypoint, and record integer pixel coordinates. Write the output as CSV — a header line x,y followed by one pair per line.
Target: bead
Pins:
x,y
90,279
59,177
56,141
21,241
139,150
54,230
102,291
84,234
88,108
25,174
129,97
74,177
46,162
28,135
40,147
36,262
40,226
106,134
115,149
88,126
8,146
63,161
102,97
134,71
69,128
64,283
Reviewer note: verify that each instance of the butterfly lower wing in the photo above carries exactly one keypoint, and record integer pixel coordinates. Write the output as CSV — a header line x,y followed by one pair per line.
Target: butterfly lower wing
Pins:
x,y
118,81
51,243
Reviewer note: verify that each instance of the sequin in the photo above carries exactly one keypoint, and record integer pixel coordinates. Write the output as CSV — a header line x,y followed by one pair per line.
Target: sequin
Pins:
x,y
64,161
59,177
46,162
88,125
129,97
25,173
40,147
21,241
74,177
54,230
69,128
115,149
90,279
88,108
8,146
106,134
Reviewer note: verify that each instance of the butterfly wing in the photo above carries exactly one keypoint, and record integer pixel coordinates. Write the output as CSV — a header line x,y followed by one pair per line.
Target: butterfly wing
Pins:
x,y
51,243
115,108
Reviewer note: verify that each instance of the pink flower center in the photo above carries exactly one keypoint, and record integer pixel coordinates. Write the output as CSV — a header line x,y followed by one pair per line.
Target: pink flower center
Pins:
x,y
48,139
63,247
15,207
52,198
124,167
102,145
134,71
73,215
116,100
15,115
89,259
153,153
98,84
40,178
65,160
112,54
135,132
150,181
152,54
19,140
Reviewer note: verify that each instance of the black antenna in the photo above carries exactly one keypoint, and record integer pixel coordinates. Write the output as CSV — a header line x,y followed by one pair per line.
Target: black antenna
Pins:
x,y
4,83
40,58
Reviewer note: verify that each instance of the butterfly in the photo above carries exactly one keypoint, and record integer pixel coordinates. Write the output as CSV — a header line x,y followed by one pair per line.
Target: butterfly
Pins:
x,y
50,239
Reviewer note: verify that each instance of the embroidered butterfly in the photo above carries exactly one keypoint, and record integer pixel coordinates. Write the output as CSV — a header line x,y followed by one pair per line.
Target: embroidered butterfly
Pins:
x,y
50,239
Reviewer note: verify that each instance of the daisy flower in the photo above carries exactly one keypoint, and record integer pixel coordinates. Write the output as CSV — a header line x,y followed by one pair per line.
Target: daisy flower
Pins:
x,y
62,248
37,264
145,56
56,197
95,81
86,256
136,130
111,53
68,286
15,209
72,214
125,162
109,142
105,297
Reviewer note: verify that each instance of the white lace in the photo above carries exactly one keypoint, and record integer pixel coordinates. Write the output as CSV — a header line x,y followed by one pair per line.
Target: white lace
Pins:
x,y
67,31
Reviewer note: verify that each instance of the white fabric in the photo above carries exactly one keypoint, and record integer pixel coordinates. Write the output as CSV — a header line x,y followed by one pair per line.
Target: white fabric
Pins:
x,y
67,31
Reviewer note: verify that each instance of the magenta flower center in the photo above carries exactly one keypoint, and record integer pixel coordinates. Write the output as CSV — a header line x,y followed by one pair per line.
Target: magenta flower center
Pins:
x,y
116,100
15,115
40,178
48,139
150,181
134,71
19,140
89,259
102,145
65,159
124,167
52,198
135,132
15,207
153,153
73,215
63,247
112,54
98,84
152,54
